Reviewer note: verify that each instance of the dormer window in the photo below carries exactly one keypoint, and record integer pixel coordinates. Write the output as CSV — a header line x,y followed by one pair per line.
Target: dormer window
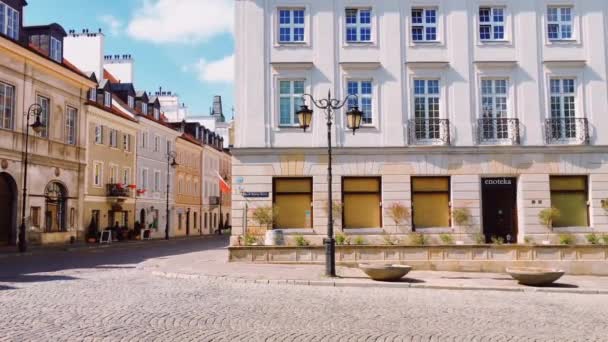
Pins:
x,y
156,113
93,94
107,99
9,21
56,50
131,102
144,108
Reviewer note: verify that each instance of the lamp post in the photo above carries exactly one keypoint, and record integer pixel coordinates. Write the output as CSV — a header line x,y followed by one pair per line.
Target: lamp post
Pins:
x,y
35,109
353,121
171,163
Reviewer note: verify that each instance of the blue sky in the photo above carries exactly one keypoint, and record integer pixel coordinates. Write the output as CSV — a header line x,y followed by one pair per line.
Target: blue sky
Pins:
x,y
185,46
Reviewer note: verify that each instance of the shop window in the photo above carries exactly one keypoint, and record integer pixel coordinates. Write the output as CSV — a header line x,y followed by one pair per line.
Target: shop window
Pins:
x,y
569,196
362,202
35,216
431,202
293,199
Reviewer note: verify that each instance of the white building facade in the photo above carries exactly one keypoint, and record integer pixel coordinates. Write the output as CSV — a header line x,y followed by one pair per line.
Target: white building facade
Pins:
x,y
492,108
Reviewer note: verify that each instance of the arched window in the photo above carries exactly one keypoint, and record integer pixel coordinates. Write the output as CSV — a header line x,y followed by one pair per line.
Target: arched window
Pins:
x,y
55,208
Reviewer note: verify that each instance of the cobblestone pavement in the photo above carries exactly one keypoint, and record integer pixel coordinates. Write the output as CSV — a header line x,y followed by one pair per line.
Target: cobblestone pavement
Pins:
x,y
107,296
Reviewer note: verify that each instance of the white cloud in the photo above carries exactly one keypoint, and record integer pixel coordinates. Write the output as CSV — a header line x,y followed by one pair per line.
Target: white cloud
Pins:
x,y
112,23
181,21
221,70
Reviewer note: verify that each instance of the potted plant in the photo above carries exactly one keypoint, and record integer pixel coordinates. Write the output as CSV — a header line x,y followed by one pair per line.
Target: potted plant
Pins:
x,y
462,218
546,217
399,213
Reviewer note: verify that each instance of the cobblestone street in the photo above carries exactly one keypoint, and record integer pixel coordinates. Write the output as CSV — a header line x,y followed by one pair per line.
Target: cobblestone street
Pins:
x,y
107,295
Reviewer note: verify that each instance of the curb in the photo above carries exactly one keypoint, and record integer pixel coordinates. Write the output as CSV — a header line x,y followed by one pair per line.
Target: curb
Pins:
x,y
331,283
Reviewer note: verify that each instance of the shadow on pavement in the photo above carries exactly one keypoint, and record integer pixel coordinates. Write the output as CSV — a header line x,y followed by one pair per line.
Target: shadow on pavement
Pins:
x,y
24,268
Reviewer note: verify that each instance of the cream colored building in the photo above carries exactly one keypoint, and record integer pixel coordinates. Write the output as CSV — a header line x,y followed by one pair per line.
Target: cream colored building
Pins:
x,y
31,74
187,211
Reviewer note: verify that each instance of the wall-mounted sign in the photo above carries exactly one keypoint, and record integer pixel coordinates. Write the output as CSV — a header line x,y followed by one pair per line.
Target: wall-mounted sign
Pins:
x,y
256,194
498,181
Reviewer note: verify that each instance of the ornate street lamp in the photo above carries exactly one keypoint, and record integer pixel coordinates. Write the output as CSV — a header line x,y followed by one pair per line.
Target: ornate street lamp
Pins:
x,y
353,122
171,163
37,127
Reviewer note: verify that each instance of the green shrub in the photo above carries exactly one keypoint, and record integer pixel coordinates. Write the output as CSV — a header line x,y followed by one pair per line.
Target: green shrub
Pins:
x,y
359,240
497,240
342,239
566,239
547,216
418,239
250,240
301,241
480,239
462,217
593,238
446,239
604,239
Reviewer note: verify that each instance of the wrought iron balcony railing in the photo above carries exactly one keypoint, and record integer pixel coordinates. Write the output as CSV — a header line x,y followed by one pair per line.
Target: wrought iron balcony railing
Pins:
x,y
498,131
567,130
429,132
118,190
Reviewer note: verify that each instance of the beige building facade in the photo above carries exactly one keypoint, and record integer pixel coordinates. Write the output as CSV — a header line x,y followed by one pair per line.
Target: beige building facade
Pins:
x,y
187,211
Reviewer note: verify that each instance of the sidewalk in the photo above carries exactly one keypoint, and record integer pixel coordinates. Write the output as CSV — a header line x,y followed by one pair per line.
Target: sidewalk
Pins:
x,y
212,264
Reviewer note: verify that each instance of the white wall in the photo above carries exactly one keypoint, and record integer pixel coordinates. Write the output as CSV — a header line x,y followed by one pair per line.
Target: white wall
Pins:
x,y
122,69
85,51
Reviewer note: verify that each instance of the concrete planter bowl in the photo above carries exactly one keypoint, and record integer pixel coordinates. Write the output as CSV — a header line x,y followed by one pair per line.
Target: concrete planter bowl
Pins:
x,y
385,272
535,276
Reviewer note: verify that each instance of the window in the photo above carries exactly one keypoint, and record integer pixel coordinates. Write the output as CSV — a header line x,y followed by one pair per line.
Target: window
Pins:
x,y
7,105
9,21
156,143
113,138
168,146
157,113
126,142
205,221
179,221
491,23
290,100
113,174
144,139
424,24
93,94
97,173
559,23
494,107
107,99
71,121
131,101
44,116
569,196
126,176
362,202
431,202
426,109
363,90
214,220
291,25
563,108
195,220
293,198
144,179
157,181
144,108
98,134
56,50
358,25
35,216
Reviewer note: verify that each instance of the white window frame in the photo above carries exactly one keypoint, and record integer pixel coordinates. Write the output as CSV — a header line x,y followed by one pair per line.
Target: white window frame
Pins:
x,y
428,76
113,143
55,50
424,25
45,115
157,113
114,174
156,143
561,23
7,106
495,96
361,97
157,181
358,25
93,94
293,100
144,108
291,25
71,125
97,179
131,101
492,24
144,178
126,142
576,94
107,99
144,140
10,21
99,134
126,176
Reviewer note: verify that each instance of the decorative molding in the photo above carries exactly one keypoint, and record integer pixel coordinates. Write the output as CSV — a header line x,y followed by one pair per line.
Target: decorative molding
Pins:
x,y
565,63
292,65
360,65
427,64
495,64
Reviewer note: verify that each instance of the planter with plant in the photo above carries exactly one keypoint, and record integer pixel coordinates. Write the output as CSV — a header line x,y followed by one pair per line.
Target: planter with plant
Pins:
x,y
359,240
390,240
593,238
479,238
399,213
418,239
301,241
528,240
462,217
342,239
546,217
604,239
446,239
497,240
567,239
266,216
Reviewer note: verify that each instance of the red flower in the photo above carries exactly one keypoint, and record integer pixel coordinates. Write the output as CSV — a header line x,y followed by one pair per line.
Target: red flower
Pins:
x,y
132,186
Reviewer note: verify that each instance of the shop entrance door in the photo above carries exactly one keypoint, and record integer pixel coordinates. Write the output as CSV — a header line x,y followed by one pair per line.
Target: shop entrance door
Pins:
x,y
499,208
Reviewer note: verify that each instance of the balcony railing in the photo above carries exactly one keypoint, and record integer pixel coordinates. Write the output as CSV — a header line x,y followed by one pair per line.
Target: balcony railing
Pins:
x,y
498,131
566,130
429,132
214,200
118,190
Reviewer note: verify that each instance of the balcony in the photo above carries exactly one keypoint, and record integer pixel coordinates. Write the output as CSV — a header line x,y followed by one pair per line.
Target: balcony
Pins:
x,y
118,190
214,200
498,131
567,131
432,132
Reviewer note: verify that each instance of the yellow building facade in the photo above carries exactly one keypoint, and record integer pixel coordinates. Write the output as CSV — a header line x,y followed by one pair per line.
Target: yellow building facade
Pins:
x,y
187,194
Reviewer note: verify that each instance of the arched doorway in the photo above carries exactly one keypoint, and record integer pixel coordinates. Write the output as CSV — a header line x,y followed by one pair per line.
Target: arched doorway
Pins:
x,y
8,212
55,208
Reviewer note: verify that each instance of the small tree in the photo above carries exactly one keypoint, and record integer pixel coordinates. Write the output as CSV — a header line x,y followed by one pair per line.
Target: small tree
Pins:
x,y
336,207
605,205
547,216
266,215
398,213
462,217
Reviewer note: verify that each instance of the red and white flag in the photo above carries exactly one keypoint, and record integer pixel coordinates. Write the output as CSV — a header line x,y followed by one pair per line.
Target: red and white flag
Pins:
x,y
224,187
